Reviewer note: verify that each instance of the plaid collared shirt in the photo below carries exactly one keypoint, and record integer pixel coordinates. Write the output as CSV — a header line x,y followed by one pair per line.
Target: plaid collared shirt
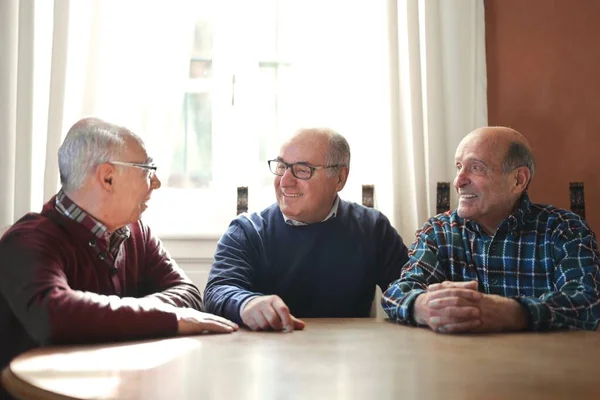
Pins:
x,y
67,207
544,257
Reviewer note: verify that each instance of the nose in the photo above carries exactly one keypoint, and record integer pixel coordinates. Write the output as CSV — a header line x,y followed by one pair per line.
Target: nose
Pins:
x,y
462,178
287,179
155,183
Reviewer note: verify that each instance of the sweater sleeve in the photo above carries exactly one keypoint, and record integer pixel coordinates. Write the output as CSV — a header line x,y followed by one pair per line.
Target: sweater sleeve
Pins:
x,y
38,292
163,279
392,253
230,280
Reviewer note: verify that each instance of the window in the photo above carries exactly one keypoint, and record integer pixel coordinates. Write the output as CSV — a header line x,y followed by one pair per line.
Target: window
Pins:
x,y
215,86
234,114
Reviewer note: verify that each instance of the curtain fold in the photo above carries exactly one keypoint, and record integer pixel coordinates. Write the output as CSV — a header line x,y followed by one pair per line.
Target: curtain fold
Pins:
x,y
16,113
437,95
403,90
24,100
9,28
57,96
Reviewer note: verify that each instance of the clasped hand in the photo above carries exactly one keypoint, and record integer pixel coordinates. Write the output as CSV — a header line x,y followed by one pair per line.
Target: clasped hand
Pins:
x,y
458,307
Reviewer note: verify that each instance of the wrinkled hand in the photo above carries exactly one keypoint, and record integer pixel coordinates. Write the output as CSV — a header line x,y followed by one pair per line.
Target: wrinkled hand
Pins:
x,y
459,307
191,321
269,312
449,307
500,314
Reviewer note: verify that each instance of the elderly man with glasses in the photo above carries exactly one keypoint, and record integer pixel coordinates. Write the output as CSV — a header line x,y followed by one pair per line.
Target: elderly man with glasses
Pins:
x,y
86,268
311,254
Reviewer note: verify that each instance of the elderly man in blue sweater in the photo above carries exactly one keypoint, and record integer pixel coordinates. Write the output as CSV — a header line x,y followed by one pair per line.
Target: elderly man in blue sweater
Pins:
x,y
311,254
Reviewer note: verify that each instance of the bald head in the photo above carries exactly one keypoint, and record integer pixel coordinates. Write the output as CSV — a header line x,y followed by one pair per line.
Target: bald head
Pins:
x,y
494,166
508,143
334,146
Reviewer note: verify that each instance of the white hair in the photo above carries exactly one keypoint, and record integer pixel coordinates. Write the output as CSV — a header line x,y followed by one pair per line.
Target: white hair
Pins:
x,y
89,143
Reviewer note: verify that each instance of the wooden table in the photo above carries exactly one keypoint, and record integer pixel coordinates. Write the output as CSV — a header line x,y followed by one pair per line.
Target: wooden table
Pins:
x,y
330,359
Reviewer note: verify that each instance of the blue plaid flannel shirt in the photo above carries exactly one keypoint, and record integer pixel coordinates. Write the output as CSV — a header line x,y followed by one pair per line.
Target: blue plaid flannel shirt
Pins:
x,y
544,257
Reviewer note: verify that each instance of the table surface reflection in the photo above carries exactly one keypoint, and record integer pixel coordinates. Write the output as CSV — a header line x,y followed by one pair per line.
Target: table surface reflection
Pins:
x,y
331,358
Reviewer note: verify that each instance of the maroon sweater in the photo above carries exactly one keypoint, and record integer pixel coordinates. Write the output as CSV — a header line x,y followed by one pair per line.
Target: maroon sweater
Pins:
x,y
60,284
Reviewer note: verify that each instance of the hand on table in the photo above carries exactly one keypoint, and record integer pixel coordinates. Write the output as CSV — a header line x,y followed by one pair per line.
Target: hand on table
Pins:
x,y
455,307
191,321
269,312
449,307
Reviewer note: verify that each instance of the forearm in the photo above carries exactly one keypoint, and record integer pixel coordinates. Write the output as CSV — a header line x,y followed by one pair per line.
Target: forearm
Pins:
x,y
502,314
164,280
66,316
399,299
559,311
230,282
226,301
183,294
575,302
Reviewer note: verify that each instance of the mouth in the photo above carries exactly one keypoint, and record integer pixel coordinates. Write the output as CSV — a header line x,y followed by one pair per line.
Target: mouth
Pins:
x,y
292,195
466,196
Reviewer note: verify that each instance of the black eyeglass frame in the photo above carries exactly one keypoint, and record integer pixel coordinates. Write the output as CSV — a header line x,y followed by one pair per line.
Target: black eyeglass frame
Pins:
x,y
291,166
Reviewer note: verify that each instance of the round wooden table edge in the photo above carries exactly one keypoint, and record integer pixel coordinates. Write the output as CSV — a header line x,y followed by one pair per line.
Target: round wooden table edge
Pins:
x,y
20,389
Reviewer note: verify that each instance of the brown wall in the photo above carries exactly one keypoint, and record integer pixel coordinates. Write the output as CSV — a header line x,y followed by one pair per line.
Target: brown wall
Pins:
x,y
543,63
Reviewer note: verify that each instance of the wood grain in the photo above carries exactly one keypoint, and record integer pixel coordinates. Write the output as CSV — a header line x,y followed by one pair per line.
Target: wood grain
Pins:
x,y
331,358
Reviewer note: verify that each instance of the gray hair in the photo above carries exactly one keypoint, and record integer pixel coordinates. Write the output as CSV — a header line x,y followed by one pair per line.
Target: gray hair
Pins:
x,y
89,143
338,152
518,155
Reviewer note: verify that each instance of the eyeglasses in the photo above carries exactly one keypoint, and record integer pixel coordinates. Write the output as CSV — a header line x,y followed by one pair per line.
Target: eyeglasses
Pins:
x,y
299,170
150,168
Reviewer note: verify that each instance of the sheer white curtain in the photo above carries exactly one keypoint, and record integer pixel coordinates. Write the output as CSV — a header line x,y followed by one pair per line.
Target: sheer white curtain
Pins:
x,y
438,94
9,33
25,35
128,63
124,61
403,80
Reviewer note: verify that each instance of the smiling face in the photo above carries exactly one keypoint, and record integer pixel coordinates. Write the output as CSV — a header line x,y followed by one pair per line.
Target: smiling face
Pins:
x,y
486,194
310,200
132,186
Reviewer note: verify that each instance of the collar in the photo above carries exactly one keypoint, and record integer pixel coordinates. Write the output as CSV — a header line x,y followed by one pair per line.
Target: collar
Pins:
x,y
332,214
66,207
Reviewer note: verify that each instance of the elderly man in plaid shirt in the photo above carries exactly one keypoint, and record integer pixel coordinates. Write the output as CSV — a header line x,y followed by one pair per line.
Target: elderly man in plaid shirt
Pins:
x,y
498,262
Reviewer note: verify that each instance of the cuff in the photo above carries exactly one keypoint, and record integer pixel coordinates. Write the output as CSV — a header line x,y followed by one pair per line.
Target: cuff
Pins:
x,y
409,305
538,314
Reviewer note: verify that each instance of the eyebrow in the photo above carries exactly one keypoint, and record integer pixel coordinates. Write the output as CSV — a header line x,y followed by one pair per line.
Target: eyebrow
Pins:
x,y
473,159
149,160
297,162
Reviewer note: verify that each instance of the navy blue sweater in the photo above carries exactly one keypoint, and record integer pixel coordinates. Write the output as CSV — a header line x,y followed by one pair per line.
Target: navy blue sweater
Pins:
x,y
326,269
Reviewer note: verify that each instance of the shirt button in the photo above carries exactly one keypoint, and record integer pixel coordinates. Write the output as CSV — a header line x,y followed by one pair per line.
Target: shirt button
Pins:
x,y
493,248
494,281
92,243
102,256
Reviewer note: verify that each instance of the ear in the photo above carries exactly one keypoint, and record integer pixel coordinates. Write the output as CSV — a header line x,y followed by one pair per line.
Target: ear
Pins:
x,y
342,177
522,177
105,174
